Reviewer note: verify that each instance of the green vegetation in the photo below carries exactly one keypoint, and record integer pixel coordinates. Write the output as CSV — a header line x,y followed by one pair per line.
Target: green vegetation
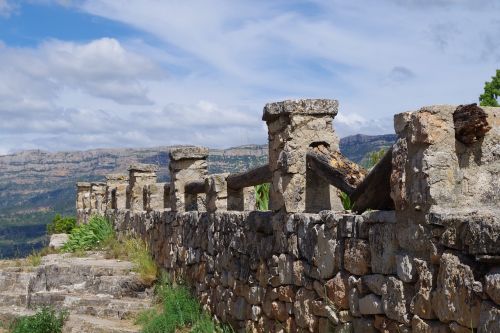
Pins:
x,y
136,251
262,196
46,320
179,312
374,157
491,91
346,201
61,225
34,259
93,235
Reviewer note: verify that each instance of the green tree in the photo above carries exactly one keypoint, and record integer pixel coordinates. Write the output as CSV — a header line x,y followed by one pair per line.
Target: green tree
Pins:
x,y
491,91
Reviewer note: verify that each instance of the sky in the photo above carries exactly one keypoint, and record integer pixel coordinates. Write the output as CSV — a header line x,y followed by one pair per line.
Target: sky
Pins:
x,y
90,74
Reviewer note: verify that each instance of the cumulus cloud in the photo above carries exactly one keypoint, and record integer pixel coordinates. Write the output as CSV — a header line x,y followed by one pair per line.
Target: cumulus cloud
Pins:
x,y
226,59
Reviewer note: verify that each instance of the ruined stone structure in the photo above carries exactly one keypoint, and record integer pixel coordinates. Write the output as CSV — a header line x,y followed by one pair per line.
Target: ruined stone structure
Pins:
x,y
430,265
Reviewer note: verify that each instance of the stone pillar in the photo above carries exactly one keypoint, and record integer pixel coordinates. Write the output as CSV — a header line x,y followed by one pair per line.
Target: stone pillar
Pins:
x,y
140,175
116,191
98,198
216,192
241,200
82,195
82,202
166,196
154,196
293,127
187,164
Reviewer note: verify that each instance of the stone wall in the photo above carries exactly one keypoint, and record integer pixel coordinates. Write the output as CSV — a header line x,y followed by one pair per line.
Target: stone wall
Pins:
x,y
431,265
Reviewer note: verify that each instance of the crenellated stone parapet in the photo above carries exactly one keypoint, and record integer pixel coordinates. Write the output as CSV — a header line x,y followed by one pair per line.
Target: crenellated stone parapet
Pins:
x,y
429,263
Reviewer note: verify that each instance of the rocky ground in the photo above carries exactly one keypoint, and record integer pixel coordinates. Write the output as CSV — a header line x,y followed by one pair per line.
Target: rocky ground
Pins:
x,y
101,295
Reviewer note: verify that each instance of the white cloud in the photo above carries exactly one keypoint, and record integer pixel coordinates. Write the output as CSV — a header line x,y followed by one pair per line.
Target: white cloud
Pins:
x,y
226,59
6,8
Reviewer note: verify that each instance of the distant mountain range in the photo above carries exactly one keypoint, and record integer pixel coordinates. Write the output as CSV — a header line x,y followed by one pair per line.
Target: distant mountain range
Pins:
x,y
35,184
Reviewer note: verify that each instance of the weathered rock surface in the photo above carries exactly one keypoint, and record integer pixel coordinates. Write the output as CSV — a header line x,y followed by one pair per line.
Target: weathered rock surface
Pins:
x,y
58,240
101,295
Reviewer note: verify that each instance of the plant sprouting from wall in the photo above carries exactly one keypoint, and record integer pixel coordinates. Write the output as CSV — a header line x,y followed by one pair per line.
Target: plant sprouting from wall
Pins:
x,y
262,196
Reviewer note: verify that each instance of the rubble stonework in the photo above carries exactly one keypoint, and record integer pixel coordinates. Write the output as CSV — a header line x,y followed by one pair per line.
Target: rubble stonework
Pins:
x,y
116,191
431,265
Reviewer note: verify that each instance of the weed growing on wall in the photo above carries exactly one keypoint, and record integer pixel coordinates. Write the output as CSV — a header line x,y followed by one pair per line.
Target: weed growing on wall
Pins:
x,y
93,235
46,320
179,312
137,251
262,196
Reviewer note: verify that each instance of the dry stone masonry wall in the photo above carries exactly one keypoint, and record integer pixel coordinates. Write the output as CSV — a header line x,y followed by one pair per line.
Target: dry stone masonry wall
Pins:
x,y
432,265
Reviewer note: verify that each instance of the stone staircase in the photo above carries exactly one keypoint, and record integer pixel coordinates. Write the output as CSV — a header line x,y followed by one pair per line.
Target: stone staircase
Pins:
x,y
101,295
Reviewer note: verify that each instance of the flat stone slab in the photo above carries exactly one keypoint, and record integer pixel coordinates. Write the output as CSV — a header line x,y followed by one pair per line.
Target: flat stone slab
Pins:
x,y
189,152
301,106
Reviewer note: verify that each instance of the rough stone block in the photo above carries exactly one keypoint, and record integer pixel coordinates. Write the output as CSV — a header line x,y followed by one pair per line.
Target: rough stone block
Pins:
x,y
357,256
383,248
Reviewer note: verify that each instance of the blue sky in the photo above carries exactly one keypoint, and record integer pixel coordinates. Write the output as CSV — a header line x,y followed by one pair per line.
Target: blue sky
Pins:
x,y
107,73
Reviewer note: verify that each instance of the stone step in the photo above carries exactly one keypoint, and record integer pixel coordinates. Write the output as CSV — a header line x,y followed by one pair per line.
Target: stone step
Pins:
x,y
99,305
92,275
90,324
14,279
13,299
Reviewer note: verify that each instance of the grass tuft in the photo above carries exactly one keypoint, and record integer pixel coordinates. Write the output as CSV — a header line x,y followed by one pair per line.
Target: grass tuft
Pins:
x,y
137,251
179,311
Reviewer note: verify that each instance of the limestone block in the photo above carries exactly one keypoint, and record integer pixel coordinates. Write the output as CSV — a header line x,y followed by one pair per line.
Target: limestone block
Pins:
x,y
325,253
455,287
303,310
374,283
405,268
242,199
396,297
370,304
98,197
456,328
363,325
383,248
82,195
492,284
354,302
216,192
357,256
423,326
421,303
489,320
58,240
337,290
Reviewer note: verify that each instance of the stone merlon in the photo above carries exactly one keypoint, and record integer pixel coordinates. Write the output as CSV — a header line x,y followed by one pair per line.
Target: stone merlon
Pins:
x,y
139,167
301,106
185,153
117,177
83,185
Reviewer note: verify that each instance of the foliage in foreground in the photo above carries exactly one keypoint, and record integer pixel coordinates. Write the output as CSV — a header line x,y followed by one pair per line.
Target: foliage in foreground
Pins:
x,y
136,251
93,235
46,320
262,196
491,91
179,311
61,225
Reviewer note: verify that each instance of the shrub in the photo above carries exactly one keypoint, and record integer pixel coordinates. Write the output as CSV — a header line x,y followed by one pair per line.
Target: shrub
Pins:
x,y
46,320
34,259
262,196
92,235
374,157
60,225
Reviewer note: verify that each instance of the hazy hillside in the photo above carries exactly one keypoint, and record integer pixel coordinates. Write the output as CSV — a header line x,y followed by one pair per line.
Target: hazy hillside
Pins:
x,y
34,185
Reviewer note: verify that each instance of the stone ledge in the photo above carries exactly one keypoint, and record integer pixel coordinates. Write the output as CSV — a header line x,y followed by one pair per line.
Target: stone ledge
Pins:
x,y
186,153
301,106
